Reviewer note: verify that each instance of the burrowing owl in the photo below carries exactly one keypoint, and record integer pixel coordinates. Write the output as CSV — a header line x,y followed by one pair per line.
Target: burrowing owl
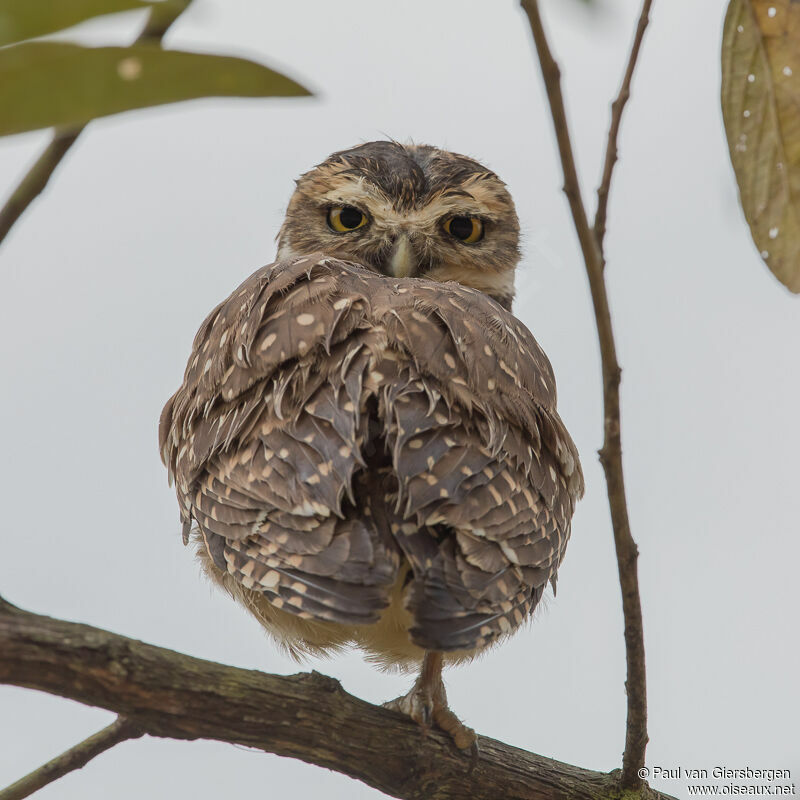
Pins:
x,y
365,437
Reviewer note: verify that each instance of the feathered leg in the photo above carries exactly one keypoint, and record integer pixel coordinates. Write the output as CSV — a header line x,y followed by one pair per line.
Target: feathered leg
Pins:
x,y
426,703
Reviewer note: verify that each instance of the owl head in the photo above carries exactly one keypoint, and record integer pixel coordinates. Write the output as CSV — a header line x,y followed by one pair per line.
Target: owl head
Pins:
x,y
408,211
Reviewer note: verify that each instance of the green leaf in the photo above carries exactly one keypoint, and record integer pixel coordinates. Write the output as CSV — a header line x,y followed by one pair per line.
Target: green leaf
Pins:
x,y
761,109
46,84
26,19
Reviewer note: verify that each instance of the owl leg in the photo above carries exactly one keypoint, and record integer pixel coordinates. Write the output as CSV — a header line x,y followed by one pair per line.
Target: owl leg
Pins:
x,y
426,703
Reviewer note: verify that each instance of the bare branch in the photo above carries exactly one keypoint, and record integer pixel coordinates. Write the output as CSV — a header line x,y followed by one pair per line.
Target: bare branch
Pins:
x,y
32,185
37,177
74,758
611,451
617,107
172,695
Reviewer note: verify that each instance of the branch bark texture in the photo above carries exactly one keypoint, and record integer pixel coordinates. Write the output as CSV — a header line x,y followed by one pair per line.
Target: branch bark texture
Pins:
x,y
591,243
165,693
38,176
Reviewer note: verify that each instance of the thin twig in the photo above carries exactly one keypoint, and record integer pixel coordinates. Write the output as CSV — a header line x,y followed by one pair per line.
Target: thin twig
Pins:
x,y
37,177
617,108
611,451
74,758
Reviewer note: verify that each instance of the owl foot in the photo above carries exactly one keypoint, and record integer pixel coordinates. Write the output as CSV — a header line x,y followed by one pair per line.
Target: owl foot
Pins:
x,y
428,710
427,705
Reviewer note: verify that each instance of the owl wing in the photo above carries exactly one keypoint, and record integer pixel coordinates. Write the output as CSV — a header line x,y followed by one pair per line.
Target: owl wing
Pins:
x,y
296,386
488,475
264,439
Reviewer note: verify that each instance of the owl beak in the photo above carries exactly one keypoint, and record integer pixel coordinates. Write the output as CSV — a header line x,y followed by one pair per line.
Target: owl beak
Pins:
x,y
402,263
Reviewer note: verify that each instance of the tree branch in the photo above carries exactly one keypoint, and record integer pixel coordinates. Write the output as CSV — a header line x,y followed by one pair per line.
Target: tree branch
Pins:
x,y
33,184
165,693
74,758
617,107
7,607
611,451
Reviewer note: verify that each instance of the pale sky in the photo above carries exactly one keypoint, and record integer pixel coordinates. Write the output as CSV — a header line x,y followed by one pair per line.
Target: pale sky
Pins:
x,y
155,216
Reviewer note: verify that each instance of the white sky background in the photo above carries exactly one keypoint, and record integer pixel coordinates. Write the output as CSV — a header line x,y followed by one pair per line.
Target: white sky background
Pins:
x,y
156,216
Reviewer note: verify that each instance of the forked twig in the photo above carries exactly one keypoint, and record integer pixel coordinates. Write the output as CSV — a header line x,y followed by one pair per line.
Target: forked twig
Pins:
x,y
591,243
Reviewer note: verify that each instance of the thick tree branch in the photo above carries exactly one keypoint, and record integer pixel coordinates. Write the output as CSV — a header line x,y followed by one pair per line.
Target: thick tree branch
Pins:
x,y
617,107
611,451
37,177
168,694
7,607
76,757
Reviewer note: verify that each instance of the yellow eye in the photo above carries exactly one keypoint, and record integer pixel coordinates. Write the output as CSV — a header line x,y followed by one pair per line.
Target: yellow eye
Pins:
x,y
346,218
467,229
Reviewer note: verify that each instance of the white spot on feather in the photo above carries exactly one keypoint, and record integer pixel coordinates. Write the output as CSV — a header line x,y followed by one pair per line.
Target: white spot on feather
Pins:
x,y
268,341
509,552
271,579
305,510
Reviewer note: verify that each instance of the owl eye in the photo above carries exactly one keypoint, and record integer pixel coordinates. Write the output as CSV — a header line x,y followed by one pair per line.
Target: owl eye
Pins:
x,y
346,218
467,229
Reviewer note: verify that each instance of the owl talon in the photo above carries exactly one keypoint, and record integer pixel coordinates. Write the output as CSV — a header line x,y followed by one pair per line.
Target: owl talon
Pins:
x,y
426,712
474,755
429,711
427,705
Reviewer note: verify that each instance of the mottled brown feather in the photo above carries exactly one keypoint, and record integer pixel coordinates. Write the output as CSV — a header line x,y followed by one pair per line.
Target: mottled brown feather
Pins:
x,y
335,426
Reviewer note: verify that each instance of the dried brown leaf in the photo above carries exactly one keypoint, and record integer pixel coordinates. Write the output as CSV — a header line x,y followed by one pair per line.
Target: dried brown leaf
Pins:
x,y
761,109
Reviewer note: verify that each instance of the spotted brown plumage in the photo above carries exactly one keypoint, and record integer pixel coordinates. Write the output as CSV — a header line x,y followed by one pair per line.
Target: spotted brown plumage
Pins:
x,y
375,460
